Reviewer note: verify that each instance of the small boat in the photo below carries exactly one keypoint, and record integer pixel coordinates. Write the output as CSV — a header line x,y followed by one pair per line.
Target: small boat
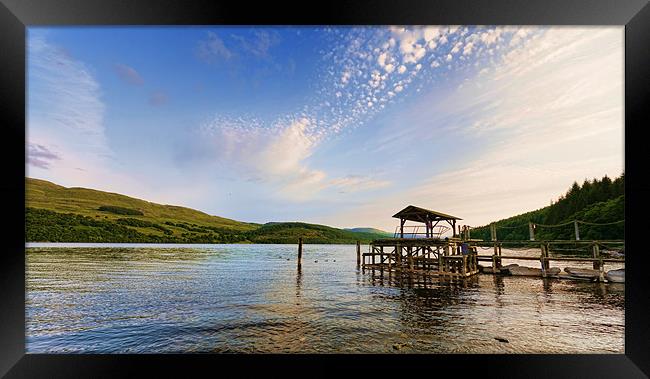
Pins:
x,y
616,276
582,273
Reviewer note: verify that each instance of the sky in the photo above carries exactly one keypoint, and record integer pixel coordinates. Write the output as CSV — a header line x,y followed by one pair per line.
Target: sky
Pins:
x,y
342,126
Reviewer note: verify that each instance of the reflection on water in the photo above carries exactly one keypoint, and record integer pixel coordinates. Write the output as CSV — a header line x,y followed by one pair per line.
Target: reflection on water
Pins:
x,y
252,298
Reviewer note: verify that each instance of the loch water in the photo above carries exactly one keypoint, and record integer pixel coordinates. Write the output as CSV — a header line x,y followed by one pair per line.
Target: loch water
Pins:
x,y
144,298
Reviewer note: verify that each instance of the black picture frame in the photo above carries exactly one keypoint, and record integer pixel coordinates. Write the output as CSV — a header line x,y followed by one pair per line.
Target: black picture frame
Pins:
x,y
16,15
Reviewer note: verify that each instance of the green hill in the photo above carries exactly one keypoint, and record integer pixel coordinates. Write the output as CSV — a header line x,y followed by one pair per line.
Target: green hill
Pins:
x,y
59,214
369,230
594,202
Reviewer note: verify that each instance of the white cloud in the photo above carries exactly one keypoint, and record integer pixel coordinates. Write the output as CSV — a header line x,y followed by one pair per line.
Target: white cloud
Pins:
x,y
356,183
468,48
550,113
456,47
65,121
401,69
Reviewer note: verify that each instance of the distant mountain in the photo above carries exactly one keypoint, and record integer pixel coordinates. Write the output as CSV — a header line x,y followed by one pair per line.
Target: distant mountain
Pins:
x,y
59,214
369,230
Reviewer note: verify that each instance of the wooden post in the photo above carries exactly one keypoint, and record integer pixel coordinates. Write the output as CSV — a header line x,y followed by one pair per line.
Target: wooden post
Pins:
x,y
493,231
531,231
542,260
401,227
398,254
358,253
409,252
499,259
299,251
464,268
575,226
596,251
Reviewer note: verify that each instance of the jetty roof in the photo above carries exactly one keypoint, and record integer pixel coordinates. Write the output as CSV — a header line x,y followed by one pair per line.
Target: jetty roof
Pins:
x,y
413,213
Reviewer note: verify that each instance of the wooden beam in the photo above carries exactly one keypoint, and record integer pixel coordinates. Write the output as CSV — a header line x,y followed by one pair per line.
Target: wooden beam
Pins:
x,y
299,251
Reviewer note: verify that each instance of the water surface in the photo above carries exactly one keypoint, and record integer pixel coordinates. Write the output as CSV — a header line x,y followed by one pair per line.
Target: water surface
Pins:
x,y
129,298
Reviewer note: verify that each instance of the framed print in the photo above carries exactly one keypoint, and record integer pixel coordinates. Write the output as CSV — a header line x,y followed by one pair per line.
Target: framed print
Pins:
x,y
365,185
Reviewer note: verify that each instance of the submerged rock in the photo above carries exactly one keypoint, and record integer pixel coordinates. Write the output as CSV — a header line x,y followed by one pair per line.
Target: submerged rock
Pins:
x,y
525,271
553,271
506,269
583,273
616,276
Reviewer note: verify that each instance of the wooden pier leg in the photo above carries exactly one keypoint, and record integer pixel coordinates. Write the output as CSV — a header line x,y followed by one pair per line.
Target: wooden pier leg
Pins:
x,y
299,252
464,269
499,259
596,252
409,251
398,255
358,253
547,263
381,256
542,260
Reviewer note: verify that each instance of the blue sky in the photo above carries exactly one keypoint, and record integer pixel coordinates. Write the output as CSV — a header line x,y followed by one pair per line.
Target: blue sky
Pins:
x,y
336,125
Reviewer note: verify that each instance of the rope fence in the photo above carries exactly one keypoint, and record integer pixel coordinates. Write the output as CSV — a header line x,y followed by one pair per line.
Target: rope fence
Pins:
x,y
532,226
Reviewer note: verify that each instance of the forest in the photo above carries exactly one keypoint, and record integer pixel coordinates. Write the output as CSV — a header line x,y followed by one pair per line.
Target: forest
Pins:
x,y
592,203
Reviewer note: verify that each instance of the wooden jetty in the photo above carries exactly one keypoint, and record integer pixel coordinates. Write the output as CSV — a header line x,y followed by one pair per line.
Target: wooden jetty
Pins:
x,y
427,253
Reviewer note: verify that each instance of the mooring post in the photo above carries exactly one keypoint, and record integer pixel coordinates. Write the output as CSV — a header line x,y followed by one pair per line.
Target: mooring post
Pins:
x,y
358,253
299,251
542,260
596,251
531,231
493,231
575,226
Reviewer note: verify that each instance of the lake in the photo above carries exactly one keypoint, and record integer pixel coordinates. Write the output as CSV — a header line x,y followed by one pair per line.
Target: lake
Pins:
x,y
130,298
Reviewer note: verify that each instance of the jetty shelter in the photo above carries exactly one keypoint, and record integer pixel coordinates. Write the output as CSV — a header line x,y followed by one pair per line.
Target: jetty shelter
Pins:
x,y
424,253
430,218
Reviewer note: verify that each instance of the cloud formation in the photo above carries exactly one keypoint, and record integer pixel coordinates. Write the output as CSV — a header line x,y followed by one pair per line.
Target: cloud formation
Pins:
x,y
40,156
158,98
128,74
213,49
546,114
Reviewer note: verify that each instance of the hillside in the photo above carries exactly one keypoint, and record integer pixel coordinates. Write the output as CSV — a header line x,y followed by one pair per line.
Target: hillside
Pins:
x,y
59,214
594,202
369,230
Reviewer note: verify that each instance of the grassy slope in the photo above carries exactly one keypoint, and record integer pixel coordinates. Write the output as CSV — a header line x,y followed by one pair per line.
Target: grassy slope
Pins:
x,y
369,230
104,226
46,195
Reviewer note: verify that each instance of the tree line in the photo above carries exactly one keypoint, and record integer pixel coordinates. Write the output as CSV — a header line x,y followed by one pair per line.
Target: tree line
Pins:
x,y
597,201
